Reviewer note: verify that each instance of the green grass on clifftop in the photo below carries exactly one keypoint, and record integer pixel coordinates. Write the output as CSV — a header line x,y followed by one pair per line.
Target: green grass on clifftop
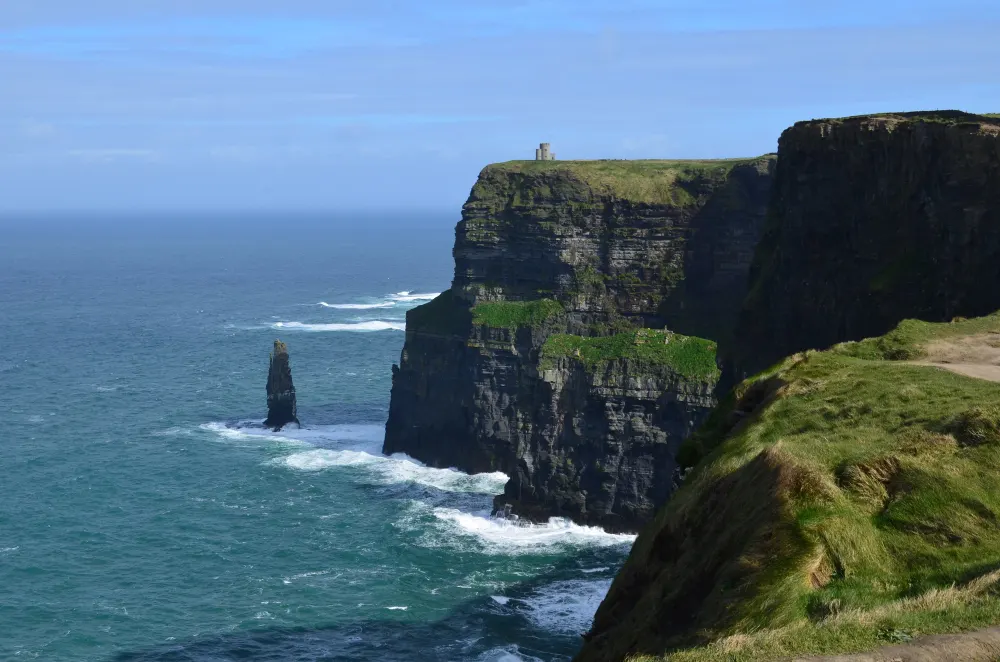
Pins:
x,y
691,357
843,501
514,314
649,181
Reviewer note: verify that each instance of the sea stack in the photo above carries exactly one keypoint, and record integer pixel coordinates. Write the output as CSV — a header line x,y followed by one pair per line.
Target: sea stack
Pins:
x,y
280,390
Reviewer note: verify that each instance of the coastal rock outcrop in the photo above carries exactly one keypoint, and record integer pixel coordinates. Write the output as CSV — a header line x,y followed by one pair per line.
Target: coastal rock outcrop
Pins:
x,y
541,361
281,407
873,220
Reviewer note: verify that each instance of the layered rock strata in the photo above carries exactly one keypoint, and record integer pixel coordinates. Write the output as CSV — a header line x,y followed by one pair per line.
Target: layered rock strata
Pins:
x,y
532,364
873,220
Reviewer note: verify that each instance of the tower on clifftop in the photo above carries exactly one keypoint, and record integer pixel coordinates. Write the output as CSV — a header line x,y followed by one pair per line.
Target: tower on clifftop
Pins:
x,y
543,153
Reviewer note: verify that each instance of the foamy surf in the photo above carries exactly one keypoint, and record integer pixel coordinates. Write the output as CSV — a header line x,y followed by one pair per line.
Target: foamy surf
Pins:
x,y
358,436
357,306
407,296
500,536
372,325
566,606
397,469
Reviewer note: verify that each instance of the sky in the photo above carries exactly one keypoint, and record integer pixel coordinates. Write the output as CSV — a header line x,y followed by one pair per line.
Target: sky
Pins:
x,y
313,105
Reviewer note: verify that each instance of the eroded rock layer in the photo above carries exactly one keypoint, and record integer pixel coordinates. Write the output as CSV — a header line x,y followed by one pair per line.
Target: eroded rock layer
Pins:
x,y
534,363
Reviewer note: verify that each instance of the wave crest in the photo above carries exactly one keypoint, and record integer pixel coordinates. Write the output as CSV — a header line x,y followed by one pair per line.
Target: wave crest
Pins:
x,y
373,325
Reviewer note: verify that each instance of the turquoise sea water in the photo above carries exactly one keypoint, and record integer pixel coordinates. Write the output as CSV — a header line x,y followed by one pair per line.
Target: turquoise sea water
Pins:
x,y
140,521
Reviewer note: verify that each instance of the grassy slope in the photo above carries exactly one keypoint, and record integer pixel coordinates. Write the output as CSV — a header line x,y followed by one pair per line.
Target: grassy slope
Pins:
x,y
649,181
844,500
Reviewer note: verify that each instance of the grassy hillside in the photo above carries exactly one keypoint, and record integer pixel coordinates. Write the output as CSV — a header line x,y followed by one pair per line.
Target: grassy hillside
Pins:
x,y
841,500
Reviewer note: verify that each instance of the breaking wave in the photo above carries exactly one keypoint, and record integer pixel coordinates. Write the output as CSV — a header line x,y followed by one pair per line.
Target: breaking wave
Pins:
x,y
566,606
373,325
406,296
357,306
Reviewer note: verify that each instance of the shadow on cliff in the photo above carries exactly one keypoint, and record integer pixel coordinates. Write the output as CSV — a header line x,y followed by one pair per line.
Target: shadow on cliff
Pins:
x,y
478,629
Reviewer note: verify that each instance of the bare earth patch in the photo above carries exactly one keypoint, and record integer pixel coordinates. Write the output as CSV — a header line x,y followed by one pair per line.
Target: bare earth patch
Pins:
x,y
980,646
973,356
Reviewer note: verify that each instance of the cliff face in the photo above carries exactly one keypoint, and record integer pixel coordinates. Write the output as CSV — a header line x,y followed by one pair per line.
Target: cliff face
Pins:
x,y
654,242
873,220
281,408
531,364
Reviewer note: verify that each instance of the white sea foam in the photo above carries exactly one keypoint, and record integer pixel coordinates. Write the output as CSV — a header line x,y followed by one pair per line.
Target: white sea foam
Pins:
x,y
357,306
566,606
506,654
396,469
593,570
371,325
7,550
361,436
397,608
407,296
497,536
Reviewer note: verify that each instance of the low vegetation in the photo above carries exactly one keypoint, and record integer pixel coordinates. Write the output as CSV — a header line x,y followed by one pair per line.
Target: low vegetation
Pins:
x,y
938,116
514,314
691,357
649,181
842,500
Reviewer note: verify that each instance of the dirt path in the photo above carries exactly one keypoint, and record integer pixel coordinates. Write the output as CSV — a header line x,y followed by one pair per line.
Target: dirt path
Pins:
x,y
973,356
979,646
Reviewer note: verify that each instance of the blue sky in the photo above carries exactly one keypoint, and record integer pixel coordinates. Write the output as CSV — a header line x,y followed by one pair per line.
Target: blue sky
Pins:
x,y
342,104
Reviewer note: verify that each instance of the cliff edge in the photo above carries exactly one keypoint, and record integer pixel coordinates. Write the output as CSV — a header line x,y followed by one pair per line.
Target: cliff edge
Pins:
x,y
841,501
872,220
575,348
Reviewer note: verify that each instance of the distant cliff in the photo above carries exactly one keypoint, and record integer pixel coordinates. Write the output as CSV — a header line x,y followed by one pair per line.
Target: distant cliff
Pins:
x,y
873,220
536,363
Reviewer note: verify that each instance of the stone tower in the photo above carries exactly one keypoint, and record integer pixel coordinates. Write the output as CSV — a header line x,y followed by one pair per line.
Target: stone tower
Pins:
x,y
543,153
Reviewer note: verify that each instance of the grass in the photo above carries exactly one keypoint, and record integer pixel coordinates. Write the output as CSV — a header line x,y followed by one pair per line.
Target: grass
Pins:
x,y
691,357
843,500
514,314
649,181
906,342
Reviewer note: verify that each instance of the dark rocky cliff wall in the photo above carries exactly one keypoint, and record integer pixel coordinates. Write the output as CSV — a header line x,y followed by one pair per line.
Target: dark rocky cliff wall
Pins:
x,y
590,249
873,220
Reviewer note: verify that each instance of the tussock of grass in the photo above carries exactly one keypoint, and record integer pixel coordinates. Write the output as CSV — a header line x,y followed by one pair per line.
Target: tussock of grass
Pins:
x,y
841,501
514,314
691,357
650,181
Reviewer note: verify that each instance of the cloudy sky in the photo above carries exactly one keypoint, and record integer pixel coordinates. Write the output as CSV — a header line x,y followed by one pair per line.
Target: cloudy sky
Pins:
x,y
344,104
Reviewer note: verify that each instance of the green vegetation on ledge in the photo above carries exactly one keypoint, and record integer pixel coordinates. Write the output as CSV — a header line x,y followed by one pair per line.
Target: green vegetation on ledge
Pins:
x,y
690,357
649,181
844,501
514,314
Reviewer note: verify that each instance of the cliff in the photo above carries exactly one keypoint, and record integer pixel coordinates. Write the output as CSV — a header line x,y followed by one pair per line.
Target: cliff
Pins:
x,y
841,501
873,220
535,362
281,406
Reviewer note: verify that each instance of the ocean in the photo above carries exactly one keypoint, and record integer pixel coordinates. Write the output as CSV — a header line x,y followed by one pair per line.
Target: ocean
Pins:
x,y
143,516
